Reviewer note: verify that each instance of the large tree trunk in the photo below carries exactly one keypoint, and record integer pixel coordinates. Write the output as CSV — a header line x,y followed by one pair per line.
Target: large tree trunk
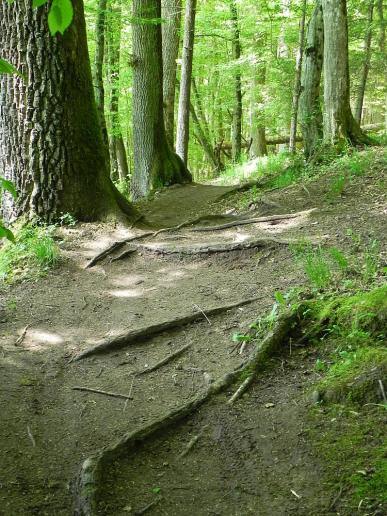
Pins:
x,y
366,64
236,136
310,109
297,82
338,120
171,14
119,159
155,164
50,138
185,83
100,32
257,123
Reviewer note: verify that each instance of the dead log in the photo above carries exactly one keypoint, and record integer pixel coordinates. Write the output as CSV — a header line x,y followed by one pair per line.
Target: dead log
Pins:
x,y
216,248
242,222
133,336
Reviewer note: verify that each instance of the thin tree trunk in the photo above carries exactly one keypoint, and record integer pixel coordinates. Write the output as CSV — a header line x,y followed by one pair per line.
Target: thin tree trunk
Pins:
x,y
100,31
257,124
338,120
171,14
119,160
382,33
366,64
283,50
50,138
185,83
297,82
200,110
208,149
310,109
155,164
236,137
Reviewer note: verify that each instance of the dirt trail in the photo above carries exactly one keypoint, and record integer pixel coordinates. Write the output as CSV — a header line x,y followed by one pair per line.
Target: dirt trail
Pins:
x,y
250,458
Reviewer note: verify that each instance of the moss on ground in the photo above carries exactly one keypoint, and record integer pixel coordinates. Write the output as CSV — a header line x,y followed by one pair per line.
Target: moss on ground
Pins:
x,y
348,427
352,444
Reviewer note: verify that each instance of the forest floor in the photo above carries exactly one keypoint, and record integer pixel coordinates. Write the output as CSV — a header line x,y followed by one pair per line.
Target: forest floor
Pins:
x,y
254,457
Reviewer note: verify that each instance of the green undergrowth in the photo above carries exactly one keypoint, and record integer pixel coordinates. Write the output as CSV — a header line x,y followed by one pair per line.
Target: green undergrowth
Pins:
x,y
332,268
351,443
33,253
348,333
276,171
348,427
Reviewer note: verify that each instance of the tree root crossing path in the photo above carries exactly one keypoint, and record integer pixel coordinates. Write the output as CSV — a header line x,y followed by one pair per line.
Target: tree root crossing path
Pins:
x,y
122,389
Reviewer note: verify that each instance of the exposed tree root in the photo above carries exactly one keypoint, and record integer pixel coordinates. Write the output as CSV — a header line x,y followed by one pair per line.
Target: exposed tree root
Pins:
x,y
165,360
242,222
123,255
91,472
216,248
114,247
124,339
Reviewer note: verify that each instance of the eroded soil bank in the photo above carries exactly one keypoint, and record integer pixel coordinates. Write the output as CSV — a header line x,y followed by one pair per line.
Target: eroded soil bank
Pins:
x,y
253,458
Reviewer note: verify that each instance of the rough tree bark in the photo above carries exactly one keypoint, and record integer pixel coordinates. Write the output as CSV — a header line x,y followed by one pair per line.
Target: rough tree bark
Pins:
x,y
99,58
118,155
50,138
185,83
310,108
338,120
366,64
171,14
155,164
297,82
236,136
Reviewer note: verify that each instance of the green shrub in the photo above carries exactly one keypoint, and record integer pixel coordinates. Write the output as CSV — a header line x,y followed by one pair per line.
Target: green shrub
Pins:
x,y
33,252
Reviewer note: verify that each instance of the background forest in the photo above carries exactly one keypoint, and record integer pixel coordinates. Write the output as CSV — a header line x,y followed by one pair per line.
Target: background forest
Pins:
x,y
269,39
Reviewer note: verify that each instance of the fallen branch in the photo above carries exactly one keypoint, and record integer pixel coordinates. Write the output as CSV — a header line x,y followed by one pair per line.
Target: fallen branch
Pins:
x,y
242,222
114,247
124,339
165,360
216,248
97,391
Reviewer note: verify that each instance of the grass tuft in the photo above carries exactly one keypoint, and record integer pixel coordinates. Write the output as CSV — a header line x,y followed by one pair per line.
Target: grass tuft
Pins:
x,y
33,253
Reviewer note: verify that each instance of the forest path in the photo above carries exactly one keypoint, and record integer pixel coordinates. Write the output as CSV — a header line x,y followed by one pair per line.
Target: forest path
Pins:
x,y
250,457
172,206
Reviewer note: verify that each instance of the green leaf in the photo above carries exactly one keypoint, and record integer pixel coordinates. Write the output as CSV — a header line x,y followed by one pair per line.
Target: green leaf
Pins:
x,y
279,297
6,233
8,68
156,490
5,184
38,3
60,16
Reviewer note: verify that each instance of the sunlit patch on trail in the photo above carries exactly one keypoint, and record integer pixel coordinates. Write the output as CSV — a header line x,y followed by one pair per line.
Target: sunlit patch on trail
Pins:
x,y
127,292
37,340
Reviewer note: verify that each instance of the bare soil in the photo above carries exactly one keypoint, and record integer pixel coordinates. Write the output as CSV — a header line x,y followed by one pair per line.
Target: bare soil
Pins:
x,y
252,458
